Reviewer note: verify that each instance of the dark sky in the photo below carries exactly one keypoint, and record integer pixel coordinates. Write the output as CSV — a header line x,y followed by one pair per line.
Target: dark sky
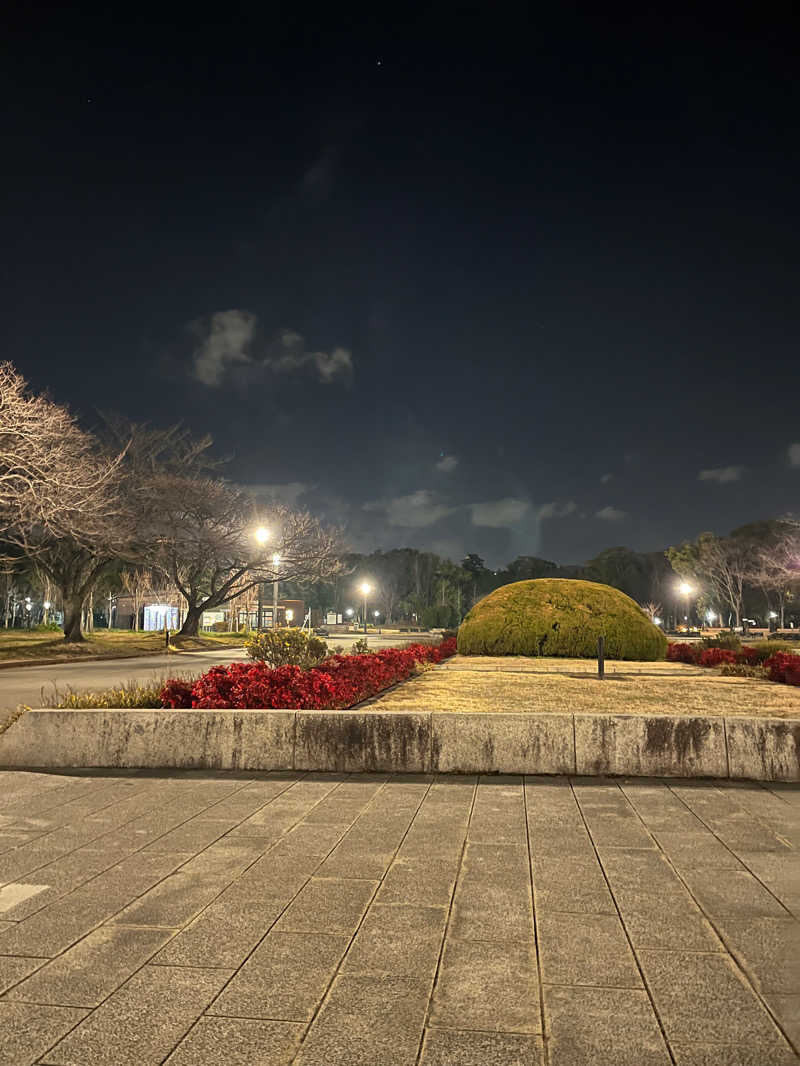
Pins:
x,y
460,280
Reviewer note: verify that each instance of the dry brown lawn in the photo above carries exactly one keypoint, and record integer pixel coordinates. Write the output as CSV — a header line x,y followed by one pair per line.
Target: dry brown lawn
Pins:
x,y
491,685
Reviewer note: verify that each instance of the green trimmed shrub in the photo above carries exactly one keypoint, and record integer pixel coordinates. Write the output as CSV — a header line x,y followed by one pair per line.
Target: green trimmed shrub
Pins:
x,y
558,616
287,647
727,641
767,648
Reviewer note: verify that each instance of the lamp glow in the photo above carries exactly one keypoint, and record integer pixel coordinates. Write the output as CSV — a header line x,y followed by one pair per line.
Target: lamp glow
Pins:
x,y
685,589
262,535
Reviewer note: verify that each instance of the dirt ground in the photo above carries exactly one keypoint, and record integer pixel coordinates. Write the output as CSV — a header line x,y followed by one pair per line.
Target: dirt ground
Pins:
x,y
492,685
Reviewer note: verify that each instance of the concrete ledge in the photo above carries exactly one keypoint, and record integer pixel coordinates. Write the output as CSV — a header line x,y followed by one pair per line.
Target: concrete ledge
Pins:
x,y
765,749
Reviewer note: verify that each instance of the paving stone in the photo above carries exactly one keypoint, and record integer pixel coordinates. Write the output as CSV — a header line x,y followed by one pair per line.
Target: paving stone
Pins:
x,y
498,814
328,905
449,1047
704,999
551,804
603,1027
225,933
444,840
487,986
586,949
731,1055
173,902
787,1011
192,836
238,1042
610,827
28,1030
421,882
368,1020
768,949
397,939
91,970
54,929
142,1021
780,872
659,807
493,897
14,969
569,841
13,894
732,894
285,977
688,849
571,884
366,851
655,906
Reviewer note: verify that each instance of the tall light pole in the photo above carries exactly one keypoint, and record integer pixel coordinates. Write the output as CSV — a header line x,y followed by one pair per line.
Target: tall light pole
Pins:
x,y
262,536
275,560
686,590
365,590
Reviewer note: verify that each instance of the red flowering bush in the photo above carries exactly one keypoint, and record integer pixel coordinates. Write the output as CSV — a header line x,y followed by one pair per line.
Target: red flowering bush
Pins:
x,y
682,653
717,656
338,682
784,667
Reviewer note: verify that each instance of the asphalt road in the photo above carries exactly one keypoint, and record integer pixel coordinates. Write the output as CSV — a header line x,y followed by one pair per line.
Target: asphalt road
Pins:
x,y
28,684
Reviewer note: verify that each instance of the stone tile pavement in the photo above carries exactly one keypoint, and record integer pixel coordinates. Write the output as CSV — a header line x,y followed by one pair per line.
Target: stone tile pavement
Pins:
x,y
354,920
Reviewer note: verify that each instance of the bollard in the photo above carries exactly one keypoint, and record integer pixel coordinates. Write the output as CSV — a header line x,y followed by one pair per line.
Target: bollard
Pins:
x,y
601,657
166,638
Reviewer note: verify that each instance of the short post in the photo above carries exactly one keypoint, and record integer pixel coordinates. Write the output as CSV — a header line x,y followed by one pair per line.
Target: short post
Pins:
x,y
601,657
166,637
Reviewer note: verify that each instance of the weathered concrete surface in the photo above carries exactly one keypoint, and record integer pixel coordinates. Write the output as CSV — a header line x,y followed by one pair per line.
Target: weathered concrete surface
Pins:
x,y
641,746
503,743
408,742
217,918
764,749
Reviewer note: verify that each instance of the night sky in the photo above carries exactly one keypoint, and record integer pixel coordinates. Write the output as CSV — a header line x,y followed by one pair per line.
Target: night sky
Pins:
x,y
457,280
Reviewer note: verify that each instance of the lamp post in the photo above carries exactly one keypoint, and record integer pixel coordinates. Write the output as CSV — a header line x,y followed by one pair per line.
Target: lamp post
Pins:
x,y
275,561
365,590
262,536
47,605
686,590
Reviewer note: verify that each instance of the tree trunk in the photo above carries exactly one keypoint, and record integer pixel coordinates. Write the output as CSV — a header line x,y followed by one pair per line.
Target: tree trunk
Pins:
x,y
73,610
191,623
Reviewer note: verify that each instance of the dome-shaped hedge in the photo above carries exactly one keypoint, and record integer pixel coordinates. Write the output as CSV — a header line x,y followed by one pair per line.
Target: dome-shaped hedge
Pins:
x,y
556,616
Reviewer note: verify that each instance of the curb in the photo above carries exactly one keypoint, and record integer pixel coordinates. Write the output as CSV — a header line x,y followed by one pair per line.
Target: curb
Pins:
x,y
761,749
14,664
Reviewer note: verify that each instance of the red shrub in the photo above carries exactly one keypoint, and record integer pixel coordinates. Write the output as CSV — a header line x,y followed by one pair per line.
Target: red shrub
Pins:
x,y
784,667
336,683
749,656
682,653
717,656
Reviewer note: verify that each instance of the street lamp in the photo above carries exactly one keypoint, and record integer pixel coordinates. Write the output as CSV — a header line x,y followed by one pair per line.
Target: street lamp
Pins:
x,y
686,590
710,616
365,590
275,562
262,536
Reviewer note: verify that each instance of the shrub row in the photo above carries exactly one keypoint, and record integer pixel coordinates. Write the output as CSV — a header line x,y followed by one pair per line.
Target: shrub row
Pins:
x,y
337,683
781,666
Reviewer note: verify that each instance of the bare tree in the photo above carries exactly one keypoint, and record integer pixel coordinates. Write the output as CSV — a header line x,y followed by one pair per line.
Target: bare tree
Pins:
x,y
652,610
776,567
137,582
201,537
720,566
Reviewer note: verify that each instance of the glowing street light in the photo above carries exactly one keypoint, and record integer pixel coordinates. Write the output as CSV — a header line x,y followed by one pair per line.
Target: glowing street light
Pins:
x,y
710,616
685,589
656,621
349,612
262,535
365,588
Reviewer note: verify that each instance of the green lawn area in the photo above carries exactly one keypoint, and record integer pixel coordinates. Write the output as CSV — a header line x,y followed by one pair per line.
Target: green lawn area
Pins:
x,y
21,645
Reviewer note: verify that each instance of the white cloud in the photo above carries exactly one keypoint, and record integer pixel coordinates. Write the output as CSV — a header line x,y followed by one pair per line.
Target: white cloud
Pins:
x,y
289,493
794,454
414,511
557,510
604,480
447,464
722,474
230,341
228,336
611,514
498,513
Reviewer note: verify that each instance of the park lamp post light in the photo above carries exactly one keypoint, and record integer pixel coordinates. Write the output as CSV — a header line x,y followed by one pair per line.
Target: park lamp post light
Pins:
x,y
365,588
686,590
262,536
710,616
276,563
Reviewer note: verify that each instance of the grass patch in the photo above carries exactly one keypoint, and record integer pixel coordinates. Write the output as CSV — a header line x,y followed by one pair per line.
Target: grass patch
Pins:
x,y
566,686
28,646
130,695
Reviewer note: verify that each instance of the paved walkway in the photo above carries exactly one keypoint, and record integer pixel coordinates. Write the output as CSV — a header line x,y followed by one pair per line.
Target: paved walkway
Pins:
x,y
324,920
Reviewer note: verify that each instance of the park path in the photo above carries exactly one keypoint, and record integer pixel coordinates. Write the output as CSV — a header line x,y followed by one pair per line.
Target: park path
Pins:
x,y
335,920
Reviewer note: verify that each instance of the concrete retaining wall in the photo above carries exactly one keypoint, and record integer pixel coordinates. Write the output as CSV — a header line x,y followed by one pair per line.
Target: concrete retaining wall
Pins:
x,y
766,749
